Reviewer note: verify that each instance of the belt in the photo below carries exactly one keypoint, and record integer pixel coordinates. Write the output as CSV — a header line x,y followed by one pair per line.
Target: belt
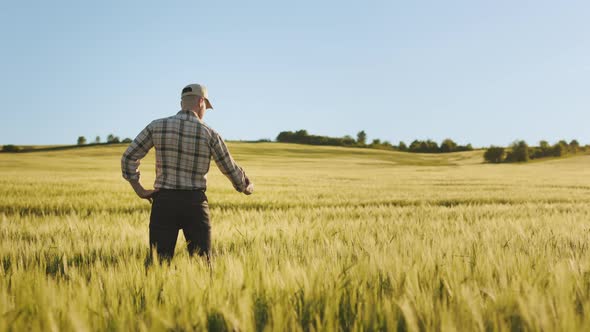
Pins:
x,y
182,190
193,195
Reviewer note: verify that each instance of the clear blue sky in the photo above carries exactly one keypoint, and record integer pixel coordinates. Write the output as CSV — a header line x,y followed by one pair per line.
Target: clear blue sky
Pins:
x,y
485,72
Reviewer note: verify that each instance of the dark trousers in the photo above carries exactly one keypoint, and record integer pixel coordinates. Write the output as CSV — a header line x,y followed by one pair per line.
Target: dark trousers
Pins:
x,y
173,210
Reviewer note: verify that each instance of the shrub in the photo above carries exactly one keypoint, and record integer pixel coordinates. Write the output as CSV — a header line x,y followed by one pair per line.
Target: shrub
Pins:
x,y
402,146
559,149
361,137
536,153
112,139
427,146
519,152
448,145
494,154
574,146
348,140
11,148
544,149
467,147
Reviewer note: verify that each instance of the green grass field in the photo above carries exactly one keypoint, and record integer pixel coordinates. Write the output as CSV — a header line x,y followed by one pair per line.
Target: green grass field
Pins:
x,y
332,239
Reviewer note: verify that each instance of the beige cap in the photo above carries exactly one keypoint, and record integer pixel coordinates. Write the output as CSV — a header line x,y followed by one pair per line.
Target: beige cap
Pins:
x,y
196,90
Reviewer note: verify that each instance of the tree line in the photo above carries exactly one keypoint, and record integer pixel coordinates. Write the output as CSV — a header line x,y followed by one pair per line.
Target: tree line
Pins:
x,y
520,151
419,146
111,139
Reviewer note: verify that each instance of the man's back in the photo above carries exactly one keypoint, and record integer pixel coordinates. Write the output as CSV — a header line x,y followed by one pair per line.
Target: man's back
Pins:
x,y
184,146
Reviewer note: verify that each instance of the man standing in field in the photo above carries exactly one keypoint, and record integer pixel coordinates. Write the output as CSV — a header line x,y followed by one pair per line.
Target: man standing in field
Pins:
x,y
184,147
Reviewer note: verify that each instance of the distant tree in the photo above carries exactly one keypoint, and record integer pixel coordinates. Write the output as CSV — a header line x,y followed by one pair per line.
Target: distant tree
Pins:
x,y
423,147
301,133
348,140
574,146
431,146
361,137
402,146
129,140
559,149
285,137
448,145
81,140
97,139
494,154
519,152
112,139
545,148
376,141
302,137
387,144
415,146
564,143
11,148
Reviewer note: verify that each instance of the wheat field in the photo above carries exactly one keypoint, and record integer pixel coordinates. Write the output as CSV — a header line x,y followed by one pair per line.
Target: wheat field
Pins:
x,y
333,239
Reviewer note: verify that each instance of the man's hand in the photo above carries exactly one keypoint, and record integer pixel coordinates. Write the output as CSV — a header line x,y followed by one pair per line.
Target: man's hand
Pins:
x,y
142,192
146,194
249,187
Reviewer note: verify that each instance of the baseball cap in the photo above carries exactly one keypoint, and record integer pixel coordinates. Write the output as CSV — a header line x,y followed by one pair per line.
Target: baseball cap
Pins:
x,y
197,90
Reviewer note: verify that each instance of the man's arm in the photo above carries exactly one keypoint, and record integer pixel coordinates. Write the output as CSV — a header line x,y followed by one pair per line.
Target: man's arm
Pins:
x,y
130,161
229,167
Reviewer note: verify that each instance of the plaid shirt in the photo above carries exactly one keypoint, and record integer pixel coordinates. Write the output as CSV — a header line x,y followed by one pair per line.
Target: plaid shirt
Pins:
x,y
184,147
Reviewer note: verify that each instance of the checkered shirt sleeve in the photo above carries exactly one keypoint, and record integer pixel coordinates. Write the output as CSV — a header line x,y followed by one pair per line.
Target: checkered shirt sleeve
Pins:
x,y
226,163
136,150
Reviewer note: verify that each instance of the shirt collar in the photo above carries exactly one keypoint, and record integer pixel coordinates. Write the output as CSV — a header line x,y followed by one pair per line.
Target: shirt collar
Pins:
x,y
188,115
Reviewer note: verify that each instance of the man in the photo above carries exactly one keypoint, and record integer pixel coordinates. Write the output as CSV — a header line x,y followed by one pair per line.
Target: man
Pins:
x,y
184,147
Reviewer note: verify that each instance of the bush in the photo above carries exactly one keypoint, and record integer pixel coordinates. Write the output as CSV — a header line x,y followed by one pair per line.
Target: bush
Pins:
x,y
402,146
427,146
81,140
519,152
536,153
544,150
112,139
11,148
574,146
348,141
302,137
448,145
361,137
494,154
127,140
467,147
559,149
